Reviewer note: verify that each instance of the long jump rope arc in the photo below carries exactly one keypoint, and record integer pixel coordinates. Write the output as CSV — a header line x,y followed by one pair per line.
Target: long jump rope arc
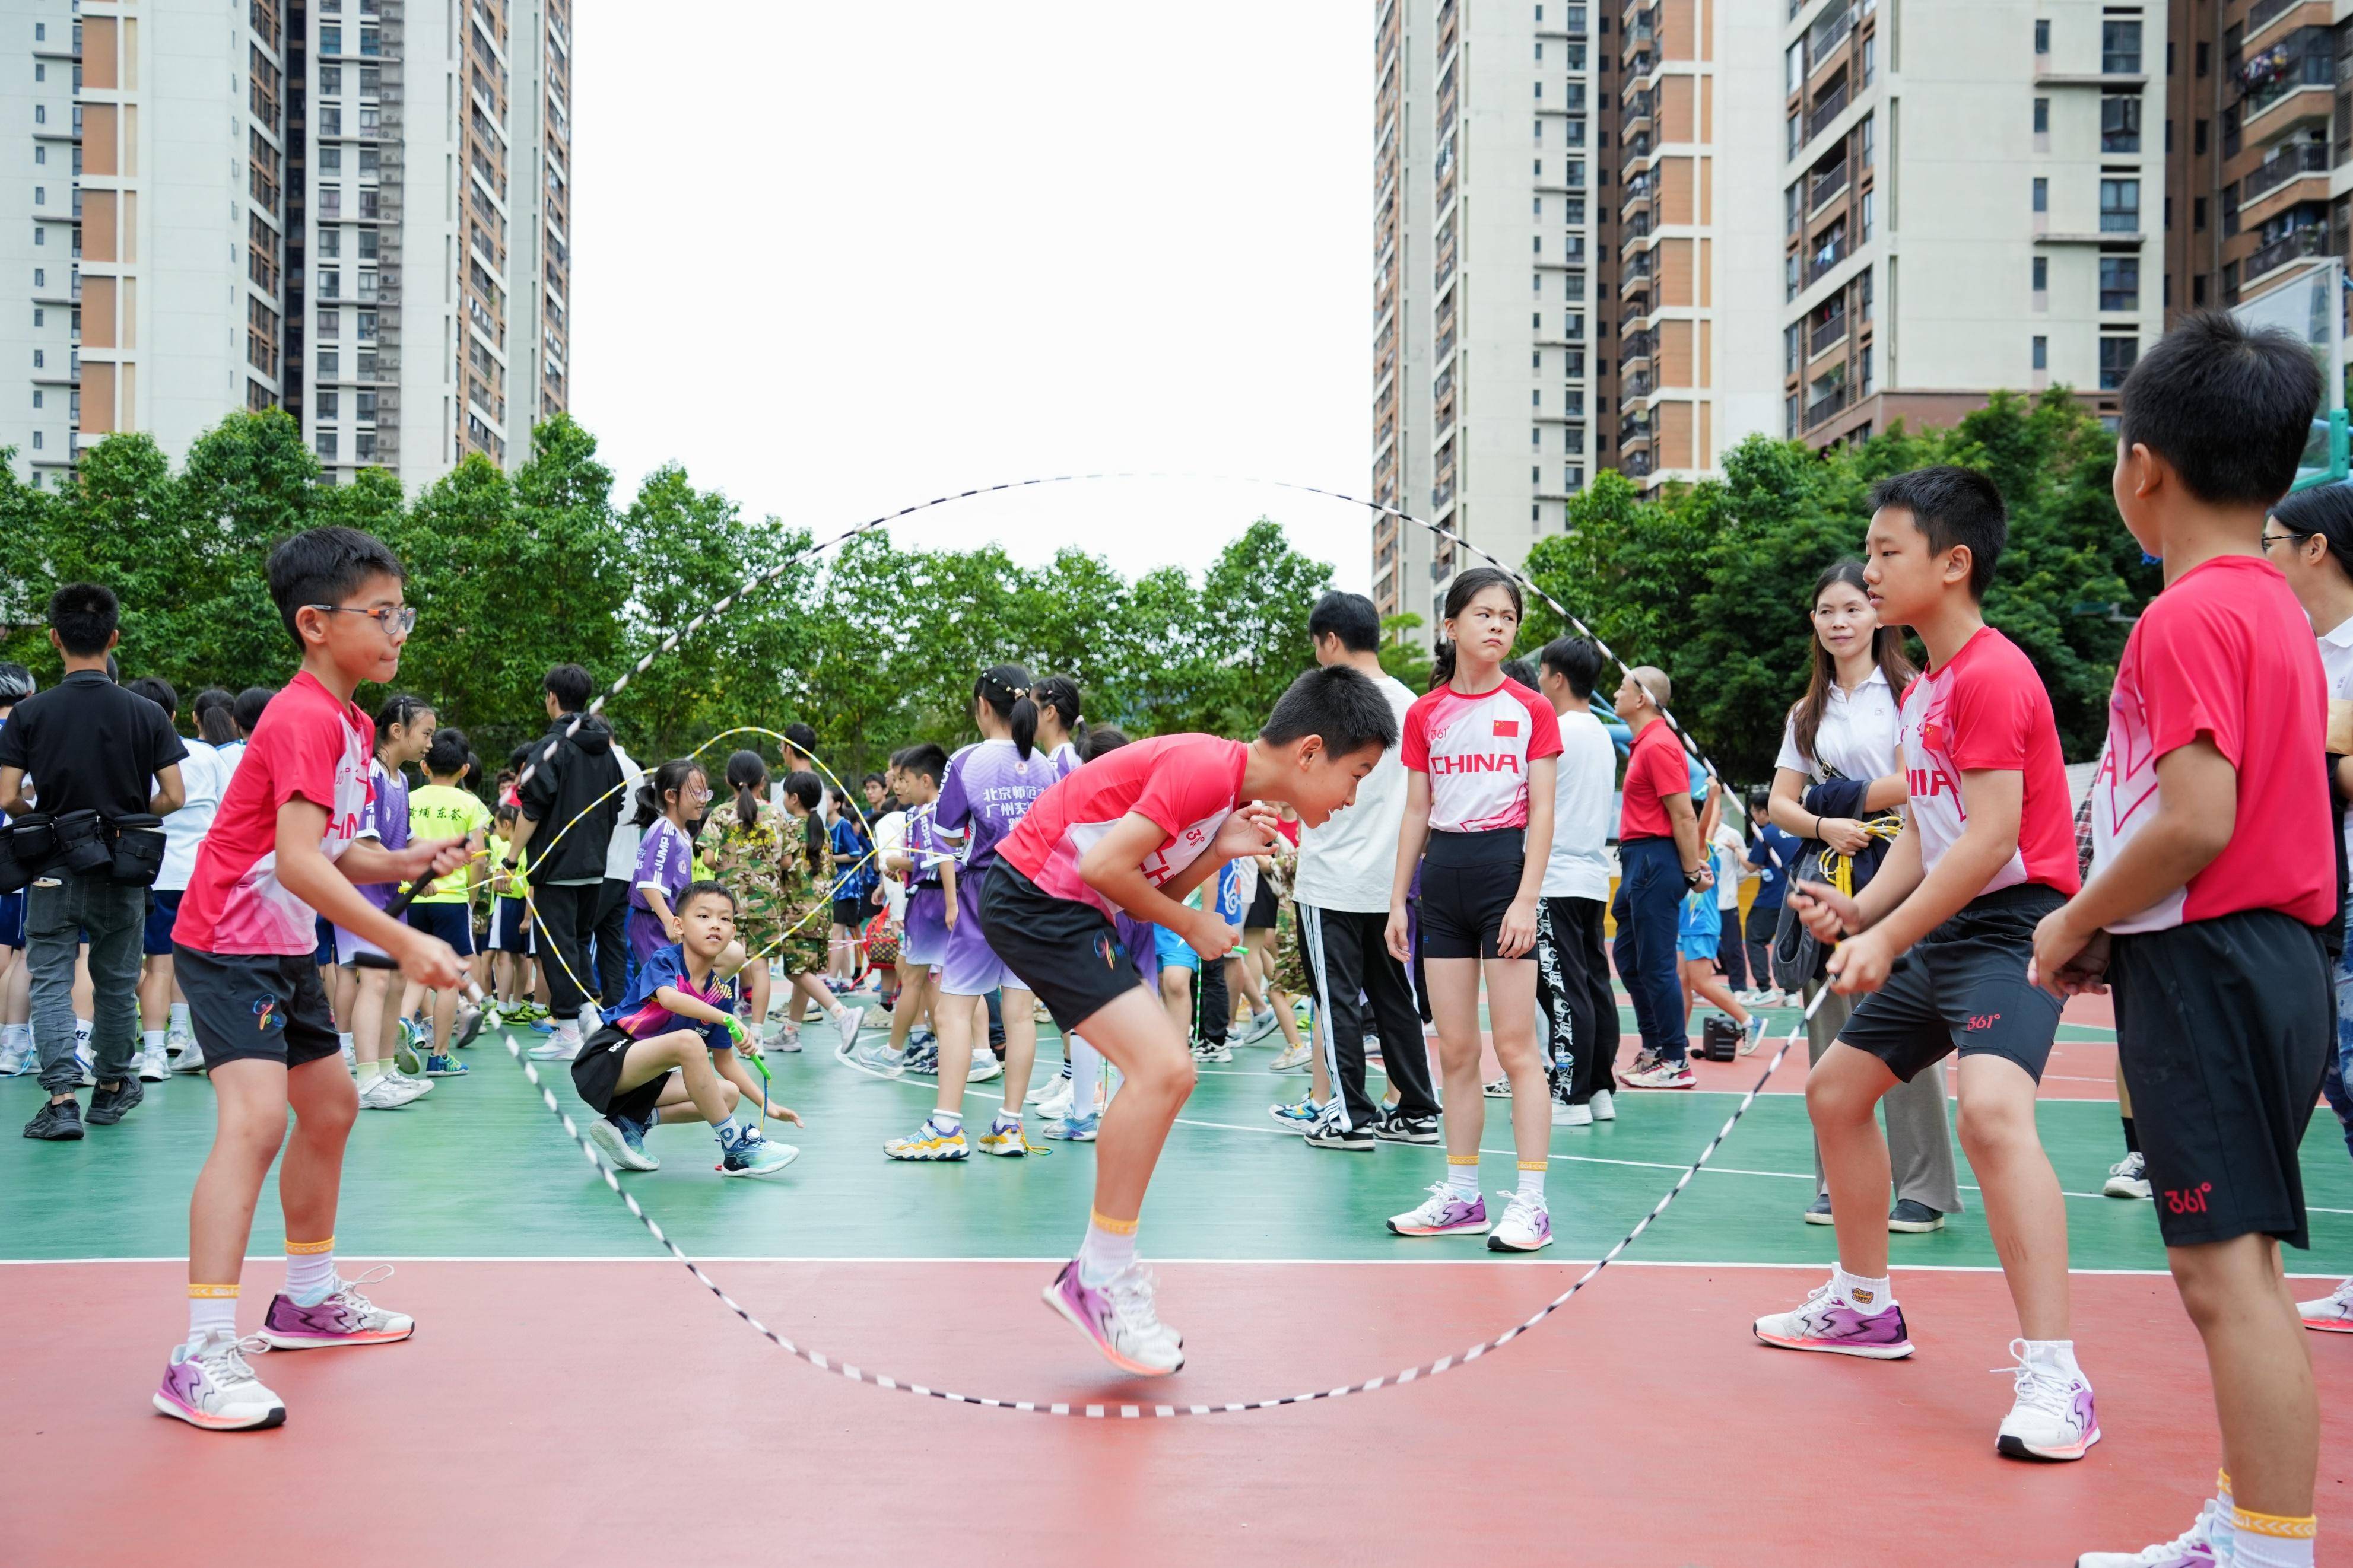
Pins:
x,y
855,1373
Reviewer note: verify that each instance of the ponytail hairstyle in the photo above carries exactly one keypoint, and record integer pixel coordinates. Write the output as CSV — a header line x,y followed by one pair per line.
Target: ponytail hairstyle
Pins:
x,y
747,774
1467,586
816,846
1005,688
2323,510
398,712
216,725
1060,693
449,755
669,778
1101,739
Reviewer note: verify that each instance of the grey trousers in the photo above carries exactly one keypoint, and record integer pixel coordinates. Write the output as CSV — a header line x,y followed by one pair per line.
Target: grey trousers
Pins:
x,y
1919,1139
56,914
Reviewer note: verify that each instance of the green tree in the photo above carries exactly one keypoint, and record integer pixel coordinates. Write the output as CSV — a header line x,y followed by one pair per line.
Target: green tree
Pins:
x,y
1402,657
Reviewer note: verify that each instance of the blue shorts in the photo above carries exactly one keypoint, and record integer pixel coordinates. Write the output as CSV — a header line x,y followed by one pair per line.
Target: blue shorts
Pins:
x,y
12,919
1174,951
508,933
453,923
325,957
162,914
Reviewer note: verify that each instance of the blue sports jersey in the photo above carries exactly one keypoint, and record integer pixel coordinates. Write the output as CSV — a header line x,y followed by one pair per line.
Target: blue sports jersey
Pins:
x,y
642,1017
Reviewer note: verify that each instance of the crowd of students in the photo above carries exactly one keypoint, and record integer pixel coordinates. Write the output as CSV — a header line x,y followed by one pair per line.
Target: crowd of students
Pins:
x,y
1357,877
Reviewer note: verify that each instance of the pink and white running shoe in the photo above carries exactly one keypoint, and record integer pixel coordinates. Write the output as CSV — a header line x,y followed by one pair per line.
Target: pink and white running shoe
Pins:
x,y
1444,1213
1120,1318
1824,1324
208,1384
343,1317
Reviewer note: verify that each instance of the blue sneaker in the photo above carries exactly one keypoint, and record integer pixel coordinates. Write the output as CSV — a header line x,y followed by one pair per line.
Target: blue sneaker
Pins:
x,y
409,1052
753,1155
925,1063
543,1024
1299,1116
445,1067
1075,1128
622,1142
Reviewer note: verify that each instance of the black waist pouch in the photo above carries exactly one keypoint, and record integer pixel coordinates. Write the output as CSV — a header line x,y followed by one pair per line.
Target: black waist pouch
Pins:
x,y
138,849
27,846
83,843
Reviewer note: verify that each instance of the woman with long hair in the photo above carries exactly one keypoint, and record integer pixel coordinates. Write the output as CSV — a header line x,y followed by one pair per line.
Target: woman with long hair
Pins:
x,y
1836,786
2309,537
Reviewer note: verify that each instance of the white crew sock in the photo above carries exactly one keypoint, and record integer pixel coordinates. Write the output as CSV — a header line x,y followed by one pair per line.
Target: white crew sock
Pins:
x,y
1109,1247
2264,1540
212,1310
309,1270
179,1021
1462,1176
370,1072
948,1120
2220,1528
729,1132
344,1040
1532,1181
15,1037
1086,1076
81,1031
2060,1354
152,1040
1864,1295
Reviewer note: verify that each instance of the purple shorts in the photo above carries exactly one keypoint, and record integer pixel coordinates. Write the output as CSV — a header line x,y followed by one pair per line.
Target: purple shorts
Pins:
x,y
926,940
970,967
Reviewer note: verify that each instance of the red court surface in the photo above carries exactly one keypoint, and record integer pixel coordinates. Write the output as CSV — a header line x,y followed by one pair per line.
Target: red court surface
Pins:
x,y
595,1414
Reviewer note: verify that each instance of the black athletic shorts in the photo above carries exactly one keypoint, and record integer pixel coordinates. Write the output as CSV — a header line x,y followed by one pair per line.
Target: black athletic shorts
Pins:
x,y
1964,987
2223,1029
268,1005
597,1068
848,913
1264,907
1468,880
1066,953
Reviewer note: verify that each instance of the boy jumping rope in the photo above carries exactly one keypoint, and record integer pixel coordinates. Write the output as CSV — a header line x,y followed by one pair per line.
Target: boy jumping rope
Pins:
x,y
1940,940
1137,830
2213,876
283,850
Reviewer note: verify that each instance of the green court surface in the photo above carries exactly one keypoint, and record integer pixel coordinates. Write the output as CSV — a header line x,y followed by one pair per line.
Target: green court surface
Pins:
x,y
478,1169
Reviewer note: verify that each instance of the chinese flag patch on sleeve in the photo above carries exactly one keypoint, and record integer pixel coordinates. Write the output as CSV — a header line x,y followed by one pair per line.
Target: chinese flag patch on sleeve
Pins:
x,y
1507,726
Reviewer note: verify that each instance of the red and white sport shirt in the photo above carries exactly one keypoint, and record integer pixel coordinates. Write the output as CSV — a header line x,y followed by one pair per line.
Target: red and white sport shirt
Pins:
x,y
1986,711
2225,652
1476,750
1186,785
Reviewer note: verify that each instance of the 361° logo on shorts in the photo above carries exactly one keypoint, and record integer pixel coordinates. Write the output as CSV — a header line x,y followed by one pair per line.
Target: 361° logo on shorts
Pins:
x,y
2190,1202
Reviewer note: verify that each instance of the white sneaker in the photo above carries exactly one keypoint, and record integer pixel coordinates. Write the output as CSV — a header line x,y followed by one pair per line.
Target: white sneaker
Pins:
x,y
1666,1075
560,1047
1213,1051
208,1384
2193,1548
84,1060
2332,1314
1603,1107
1499,1089
1567,1115
2053,1418
1261,1026
152,1067
849,1021
15,1058
414,1088
2128,1177
384,1093
1057,1104
351,1056
985,1065
1526,1226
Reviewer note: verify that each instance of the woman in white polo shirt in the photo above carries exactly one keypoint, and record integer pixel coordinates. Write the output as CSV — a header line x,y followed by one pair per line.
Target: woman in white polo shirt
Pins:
x,y
1843,732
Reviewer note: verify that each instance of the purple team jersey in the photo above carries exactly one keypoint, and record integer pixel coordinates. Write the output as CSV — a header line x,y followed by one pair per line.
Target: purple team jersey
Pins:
x,y
989,790
665,859
387,821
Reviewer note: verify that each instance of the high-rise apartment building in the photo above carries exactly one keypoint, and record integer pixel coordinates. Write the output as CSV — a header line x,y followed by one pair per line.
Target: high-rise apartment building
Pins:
x,y
1971,200
1488,134
2259,106
323,205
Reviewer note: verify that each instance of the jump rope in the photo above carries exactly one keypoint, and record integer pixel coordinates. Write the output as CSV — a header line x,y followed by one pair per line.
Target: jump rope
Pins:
x,y
855,1373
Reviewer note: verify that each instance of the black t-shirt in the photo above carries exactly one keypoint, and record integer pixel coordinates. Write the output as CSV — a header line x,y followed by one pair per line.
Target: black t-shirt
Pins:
x,y
89,743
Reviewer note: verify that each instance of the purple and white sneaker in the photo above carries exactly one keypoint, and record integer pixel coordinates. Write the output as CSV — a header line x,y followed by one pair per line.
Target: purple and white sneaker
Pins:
x,y
1527,1227
1824,1324
2193,1548
2053,1417
1120,1318
1444,1213
208,1384
343,1317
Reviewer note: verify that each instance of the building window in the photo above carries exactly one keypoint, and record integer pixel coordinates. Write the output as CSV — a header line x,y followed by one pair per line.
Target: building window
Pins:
x,y
2119,48
2043,117
331,42
329,405
37,440
2119,282
36,397
331,160
2120,204
39,316
2042,37
2119,124
326,445
2197,289
2197,214
330,364
2042,274
2117,357
2042,195
2198,134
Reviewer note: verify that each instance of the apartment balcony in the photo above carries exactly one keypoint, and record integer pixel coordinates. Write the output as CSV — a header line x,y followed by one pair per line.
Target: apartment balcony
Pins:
x,y
2287,163
1635,348
1640,63
1825,335
1826,108
1638,310
1637,115
1829,33
1828,255
1640,267
2291,248
1637,227
2287,83
1637,383
1823,185
1827,404
1634,430
1637,466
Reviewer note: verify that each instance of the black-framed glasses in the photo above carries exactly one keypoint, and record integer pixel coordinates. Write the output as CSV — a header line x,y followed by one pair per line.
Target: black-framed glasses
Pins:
x,y
397,620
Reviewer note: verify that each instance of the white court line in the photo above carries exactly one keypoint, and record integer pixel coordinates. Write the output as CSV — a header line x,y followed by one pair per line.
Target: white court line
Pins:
x,y
928,1261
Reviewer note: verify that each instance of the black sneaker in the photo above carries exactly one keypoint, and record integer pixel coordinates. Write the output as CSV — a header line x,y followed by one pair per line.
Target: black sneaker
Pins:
x,y
1914,1218
58,1121
1818,1211
108,1105
1396,1129
1359,1138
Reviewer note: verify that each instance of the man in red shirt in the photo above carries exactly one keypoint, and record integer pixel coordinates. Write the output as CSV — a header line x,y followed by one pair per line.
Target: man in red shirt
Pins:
x,y
2214,873
1941,939
283,849
1661,857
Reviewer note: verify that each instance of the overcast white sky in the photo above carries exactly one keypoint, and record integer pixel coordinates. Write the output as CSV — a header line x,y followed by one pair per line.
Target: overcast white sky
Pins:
x,y
838,258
